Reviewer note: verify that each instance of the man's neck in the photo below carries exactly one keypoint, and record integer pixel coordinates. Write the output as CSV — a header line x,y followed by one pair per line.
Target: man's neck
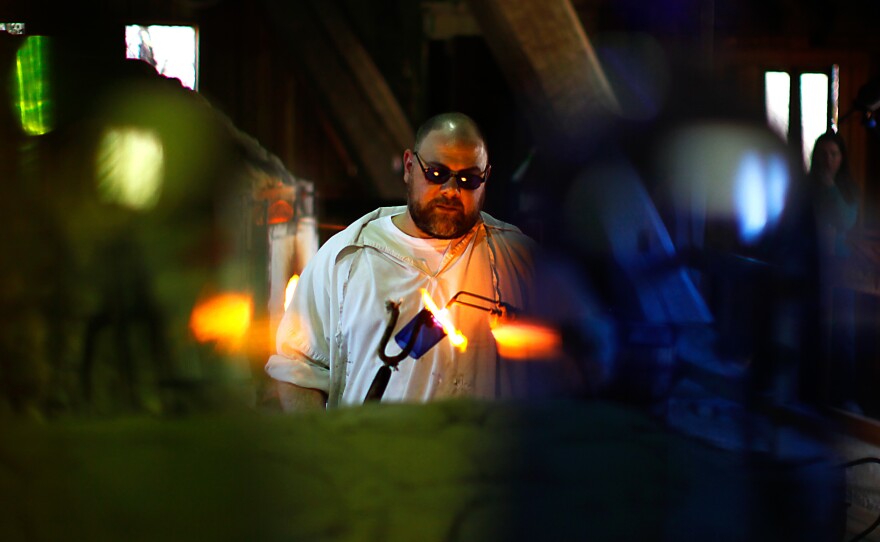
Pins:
x,y
405,223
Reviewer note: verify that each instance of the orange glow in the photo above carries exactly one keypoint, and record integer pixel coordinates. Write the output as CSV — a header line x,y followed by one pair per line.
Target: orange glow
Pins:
x,y
442,316
223,319
279,212
527,341
288,292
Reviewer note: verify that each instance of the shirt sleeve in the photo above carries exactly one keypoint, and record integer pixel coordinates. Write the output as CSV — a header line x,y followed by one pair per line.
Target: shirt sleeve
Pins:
x,y
513,262
303,338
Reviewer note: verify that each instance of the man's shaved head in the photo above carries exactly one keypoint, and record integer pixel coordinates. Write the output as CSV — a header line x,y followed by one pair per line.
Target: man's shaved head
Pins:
x,y
454,126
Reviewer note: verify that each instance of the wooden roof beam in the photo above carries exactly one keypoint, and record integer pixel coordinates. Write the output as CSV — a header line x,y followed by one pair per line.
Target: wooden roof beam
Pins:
x,y
547,57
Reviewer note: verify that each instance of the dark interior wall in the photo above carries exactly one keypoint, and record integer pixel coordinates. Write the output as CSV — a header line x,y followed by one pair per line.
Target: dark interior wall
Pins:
x,y
247,71
391,31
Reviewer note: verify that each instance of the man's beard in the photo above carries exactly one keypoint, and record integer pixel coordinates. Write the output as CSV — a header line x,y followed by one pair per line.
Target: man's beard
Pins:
x,y
443,224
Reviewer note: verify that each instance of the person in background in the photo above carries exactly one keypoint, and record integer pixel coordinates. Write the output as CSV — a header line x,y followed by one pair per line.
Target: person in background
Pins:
x,y
440,241
835,194
835,198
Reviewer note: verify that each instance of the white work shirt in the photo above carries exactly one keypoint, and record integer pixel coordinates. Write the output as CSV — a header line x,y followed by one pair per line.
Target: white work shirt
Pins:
x,y
330,334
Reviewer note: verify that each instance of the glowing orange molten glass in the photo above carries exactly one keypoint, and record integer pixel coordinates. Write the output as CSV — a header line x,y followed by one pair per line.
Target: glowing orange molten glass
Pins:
x,y
442,316
527,341
279,212
288,292
223,319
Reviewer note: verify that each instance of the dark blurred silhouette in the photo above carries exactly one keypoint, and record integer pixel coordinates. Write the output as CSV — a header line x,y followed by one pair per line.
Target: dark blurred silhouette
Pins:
x,y
836,199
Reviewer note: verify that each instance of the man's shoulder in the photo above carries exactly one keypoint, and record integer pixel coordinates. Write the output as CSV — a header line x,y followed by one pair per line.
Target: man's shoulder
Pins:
x,y
376,214
352,233
505,230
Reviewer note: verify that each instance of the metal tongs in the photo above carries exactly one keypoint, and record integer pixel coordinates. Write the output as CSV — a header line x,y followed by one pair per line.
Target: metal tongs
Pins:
x,y
422,333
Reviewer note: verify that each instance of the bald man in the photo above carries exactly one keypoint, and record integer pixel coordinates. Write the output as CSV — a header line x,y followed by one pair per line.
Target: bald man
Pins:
x,y
329,339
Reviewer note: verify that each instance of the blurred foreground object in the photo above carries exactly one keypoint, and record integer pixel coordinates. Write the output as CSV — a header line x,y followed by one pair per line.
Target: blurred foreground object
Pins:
x,y
460,470
130,210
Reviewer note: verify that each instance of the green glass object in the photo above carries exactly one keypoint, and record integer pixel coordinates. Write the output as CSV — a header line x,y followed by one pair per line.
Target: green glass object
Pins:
x,y
32,89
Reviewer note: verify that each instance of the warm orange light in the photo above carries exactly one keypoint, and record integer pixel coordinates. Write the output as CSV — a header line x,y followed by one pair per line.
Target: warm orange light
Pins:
x,y
279,212
527,341
288,292
222,319
442,316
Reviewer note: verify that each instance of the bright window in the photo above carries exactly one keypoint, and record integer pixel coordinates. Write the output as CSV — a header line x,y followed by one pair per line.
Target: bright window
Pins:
x,y
815,96
814,111
172,50
777,99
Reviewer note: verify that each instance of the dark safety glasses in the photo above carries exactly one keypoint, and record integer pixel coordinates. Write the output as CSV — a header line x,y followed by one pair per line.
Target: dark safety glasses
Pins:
x,y
441,174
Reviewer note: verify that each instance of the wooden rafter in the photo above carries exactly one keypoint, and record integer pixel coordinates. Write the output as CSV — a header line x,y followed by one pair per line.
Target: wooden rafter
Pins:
x,y
546,55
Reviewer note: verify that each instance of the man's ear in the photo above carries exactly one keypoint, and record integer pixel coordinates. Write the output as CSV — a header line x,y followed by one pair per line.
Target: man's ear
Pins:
x,y
408,162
